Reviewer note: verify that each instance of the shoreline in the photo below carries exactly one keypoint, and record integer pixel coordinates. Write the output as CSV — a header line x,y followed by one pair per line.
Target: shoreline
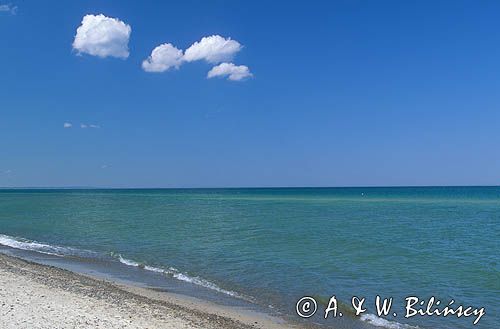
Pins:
x,y
42,296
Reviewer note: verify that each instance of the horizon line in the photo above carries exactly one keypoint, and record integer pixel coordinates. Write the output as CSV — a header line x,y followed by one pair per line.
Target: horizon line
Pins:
x,y
226,187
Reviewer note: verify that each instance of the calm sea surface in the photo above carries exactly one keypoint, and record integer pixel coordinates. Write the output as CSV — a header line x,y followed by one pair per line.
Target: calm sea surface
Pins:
x,y
269,247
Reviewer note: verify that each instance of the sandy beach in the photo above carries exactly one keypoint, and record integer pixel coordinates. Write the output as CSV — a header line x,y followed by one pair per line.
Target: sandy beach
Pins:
x,y
40,296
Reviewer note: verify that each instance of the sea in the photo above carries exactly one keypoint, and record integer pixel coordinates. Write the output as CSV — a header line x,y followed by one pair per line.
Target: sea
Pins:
x,y
266,248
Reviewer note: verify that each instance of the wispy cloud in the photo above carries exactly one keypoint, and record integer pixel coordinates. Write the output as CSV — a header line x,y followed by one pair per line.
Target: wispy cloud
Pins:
x,y
233,72
8,8
82,125
85,126
102,36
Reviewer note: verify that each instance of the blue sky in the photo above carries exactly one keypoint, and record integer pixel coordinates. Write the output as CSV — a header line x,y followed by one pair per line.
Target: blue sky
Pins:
x,y
342,93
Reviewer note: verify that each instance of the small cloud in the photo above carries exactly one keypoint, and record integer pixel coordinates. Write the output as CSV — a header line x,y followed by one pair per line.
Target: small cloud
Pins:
x,y
8,171
102,36
162,58
214,49
104,166
9,8
67,125
85,126
233,72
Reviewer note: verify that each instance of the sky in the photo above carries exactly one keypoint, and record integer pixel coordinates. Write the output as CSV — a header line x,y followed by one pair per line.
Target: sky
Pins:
x,y
249,93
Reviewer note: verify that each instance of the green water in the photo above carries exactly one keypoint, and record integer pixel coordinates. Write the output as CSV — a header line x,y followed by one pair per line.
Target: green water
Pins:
x,y
274,246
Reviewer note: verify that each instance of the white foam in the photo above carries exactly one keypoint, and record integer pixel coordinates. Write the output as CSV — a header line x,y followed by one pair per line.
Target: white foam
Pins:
x,y
24,244
30,245
127,261
204,283
182,277
381,322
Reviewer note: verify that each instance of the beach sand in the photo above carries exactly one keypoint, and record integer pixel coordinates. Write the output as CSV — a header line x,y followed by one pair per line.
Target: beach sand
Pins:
x,y
40,296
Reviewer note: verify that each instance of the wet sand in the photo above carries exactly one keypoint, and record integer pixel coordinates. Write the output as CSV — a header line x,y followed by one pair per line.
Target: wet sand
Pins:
x,y
40,296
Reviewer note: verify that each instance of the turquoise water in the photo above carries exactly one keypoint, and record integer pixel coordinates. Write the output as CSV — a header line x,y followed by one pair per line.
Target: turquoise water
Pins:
x,y
273,246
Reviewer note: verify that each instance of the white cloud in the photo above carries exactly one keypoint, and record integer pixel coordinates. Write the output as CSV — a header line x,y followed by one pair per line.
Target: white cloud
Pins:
x,y
67,125
102,36
85,126
213,49
234,72
162,58
8,9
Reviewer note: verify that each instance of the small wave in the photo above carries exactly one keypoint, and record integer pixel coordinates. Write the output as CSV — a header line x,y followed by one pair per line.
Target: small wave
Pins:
x,y
172,272
381,322
31,245
54,250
